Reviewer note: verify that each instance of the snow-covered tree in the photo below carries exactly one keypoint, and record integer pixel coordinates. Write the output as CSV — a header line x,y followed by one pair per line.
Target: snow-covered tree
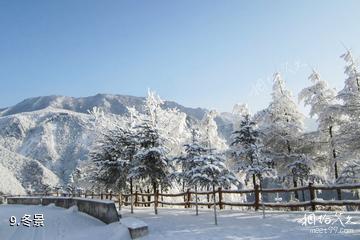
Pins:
x,y
188,160
170,123
211,171
246,149
72,186
239,112
350,108
322,102
151,163
114,156
350,173
209,132
282,125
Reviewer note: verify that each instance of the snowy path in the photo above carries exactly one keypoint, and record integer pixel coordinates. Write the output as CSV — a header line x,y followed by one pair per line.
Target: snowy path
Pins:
x,y
179,224
60,224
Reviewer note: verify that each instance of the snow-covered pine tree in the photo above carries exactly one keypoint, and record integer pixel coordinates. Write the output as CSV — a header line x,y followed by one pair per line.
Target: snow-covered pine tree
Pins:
x,y
350,108
113,158
209,132
188,160
211,171
72,185
351,174
322,102
299,170
239,111
151,163
282,125
246,151
170,123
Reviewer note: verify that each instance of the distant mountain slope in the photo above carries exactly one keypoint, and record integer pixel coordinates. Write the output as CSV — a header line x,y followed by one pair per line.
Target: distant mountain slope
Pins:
x,y
19,172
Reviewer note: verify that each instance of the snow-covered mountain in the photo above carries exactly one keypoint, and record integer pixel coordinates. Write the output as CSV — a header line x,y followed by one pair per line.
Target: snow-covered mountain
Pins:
x,y
51,135
109,103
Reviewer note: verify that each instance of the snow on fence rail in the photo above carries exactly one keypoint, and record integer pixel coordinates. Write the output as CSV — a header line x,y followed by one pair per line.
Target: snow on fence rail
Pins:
x,y
139,197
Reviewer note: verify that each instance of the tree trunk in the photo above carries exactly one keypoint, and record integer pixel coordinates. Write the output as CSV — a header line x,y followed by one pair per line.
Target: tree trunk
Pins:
x,y
338,191
261,185
131,196
335,161
208,196
215,215
302,191
254,179
196,202
183,190
149,197
155,199
295,186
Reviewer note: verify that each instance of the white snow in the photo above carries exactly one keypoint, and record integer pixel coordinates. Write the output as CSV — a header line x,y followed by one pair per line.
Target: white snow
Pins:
x,y
132,222
182,224
59,224
9,183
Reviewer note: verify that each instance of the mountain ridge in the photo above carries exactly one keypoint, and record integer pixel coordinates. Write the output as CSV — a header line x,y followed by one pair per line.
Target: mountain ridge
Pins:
x,y
114,103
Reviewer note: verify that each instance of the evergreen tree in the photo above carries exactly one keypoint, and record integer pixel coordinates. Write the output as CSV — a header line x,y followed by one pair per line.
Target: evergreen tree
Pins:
x,y
211,171
188,161
282,125
322,102
151,163
209,132
350,108
247,151
351,174
113,158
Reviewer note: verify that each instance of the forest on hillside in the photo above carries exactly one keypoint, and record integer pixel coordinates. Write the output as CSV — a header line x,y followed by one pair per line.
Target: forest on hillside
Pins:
x,y
160,148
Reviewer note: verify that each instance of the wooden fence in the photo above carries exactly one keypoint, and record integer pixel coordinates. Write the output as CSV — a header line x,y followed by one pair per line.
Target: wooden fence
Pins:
x,y
147,199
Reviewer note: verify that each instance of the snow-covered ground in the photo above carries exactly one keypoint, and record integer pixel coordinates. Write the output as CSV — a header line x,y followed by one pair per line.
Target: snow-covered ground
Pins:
x,y
59,224
174,224
178,224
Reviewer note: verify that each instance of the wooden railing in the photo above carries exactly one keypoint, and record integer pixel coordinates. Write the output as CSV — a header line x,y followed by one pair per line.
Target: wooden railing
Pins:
x,y
187,202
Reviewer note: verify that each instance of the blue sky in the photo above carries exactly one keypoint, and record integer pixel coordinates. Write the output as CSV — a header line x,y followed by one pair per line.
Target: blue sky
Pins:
x,y
199,53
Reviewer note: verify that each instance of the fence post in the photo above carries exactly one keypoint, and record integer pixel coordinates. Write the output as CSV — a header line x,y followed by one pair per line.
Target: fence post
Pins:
x,y
188,197
208,199
220,198
312,196
110,197
257,197
149,197
101,196
136,198
119,198
156,201
162,198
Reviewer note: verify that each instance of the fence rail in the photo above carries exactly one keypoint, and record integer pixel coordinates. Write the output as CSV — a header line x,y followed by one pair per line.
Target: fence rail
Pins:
x,y
187,202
